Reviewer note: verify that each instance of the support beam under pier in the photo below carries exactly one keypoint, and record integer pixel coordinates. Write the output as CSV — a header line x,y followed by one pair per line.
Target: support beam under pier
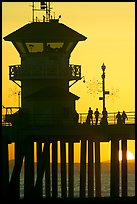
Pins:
x,y
5,169
114,174
124,167
63,169
90,169
83,168
71,169
97,169
29,169
47,170
54,169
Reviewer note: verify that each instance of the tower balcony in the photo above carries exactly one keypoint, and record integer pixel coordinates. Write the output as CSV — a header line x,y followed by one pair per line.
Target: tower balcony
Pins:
x,y
17,72
75,72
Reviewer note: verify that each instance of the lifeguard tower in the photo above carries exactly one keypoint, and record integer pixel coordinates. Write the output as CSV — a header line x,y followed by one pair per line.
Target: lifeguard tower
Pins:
x,y
45,48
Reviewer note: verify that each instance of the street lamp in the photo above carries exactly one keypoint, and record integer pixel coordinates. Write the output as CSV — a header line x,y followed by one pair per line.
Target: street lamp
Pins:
x,y
103,67
103,85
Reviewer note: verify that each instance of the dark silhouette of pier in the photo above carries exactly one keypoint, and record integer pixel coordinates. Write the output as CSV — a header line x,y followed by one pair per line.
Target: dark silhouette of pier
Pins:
x,y
86,136
47,116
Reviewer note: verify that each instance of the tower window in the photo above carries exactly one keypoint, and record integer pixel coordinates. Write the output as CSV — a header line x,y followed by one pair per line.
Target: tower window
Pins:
x,y
53,46
34,47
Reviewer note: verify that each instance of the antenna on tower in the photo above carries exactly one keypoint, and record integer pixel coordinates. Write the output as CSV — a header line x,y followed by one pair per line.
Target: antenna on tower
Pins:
x,y
46,5
32,11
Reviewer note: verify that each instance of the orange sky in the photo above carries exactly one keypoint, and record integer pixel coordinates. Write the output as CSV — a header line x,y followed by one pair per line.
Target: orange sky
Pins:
x,y
110,31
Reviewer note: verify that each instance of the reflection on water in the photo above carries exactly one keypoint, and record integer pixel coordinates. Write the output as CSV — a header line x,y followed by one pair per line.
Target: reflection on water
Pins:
x,y
105,181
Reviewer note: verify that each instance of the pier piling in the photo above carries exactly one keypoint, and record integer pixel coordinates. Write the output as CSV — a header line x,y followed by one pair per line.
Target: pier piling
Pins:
x,y
124,167
97,169
114,178
90,169
83,168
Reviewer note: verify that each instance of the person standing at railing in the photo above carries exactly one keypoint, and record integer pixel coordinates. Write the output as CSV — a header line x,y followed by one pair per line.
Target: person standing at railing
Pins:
x,y
96,113
89,116
119,118
124,117
104,118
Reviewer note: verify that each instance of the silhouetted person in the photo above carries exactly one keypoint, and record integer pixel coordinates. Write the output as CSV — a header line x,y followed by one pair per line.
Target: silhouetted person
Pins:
x,y
124,117
105,116
89,116
96,113
119,118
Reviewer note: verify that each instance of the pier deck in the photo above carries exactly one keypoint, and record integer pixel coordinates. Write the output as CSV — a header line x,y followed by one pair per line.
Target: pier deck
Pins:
x,y
75,132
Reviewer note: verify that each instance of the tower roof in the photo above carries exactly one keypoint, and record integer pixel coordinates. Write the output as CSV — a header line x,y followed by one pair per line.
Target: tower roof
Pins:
x,y
43,31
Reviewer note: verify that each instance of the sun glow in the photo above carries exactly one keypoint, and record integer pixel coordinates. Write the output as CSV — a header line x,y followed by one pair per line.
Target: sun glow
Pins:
x,y
130,156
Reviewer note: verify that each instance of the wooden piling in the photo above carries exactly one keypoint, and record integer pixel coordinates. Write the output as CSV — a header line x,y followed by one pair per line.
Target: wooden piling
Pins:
x,y
39,155
11,189
47,171
83,168
42,167
90,169
71,169
97,169
114,174
63,169
14,184
29,169
124,168
54,169
5,169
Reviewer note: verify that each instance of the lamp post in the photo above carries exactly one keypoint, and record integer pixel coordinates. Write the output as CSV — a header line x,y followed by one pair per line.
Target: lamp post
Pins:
x,y
103,85
103,67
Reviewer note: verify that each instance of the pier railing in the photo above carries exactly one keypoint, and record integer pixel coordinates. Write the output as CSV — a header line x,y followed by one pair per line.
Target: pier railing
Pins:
x,y
112,120
42,118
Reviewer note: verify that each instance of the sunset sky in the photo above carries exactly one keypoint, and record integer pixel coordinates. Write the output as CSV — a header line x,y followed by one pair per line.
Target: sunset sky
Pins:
x,y
110,31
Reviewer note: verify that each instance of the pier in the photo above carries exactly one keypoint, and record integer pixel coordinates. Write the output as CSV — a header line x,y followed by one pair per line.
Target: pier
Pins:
x,y
46,140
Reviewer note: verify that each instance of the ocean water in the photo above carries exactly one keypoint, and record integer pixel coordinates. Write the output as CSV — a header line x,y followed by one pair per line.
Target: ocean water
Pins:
x,y
105,181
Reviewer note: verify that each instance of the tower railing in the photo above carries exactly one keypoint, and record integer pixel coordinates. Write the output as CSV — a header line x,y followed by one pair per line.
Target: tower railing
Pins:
x,y
16,72
75,71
